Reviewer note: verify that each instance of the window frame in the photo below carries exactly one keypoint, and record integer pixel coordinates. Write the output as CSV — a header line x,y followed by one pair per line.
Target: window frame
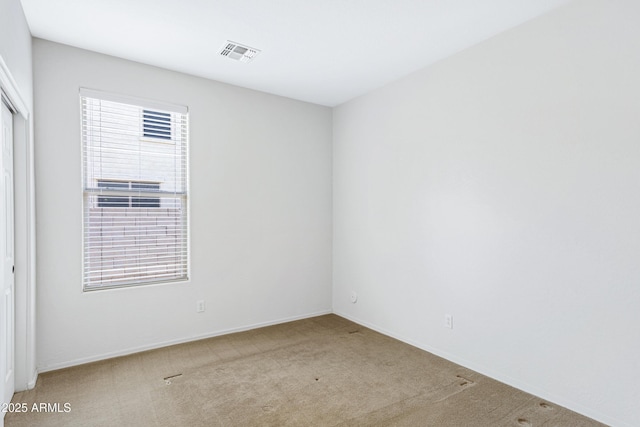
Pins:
x,y
180,199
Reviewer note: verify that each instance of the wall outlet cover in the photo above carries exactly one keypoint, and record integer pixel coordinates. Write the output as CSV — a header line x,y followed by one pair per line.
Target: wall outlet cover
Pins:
x,y
200,307
448,321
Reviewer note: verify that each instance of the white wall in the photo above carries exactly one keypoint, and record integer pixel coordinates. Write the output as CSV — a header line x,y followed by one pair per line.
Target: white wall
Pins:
x,y
15,46
260,212
15,55
502,186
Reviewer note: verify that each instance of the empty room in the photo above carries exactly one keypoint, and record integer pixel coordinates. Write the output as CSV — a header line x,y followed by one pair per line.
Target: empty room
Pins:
x,y
320,213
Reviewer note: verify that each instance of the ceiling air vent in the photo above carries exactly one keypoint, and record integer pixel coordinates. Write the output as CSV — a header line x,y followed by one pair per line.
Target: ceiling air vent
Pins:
x,y
238,51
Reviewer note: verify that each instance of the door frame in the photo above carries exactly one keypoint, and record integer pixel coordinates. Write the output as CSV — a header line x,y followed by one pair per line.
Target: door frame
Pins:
x,y
26,372
7,255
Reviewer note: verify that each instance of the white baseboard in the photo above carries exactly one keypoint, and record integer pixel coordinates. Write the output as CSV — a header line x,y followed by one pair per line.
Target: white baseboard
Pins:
x,y
32,383
513,382
132,350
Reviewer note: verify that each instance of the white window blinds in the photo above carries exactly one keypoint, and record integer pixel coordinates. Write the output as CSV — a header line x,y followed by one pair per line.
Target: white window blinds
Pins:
x,y
135,172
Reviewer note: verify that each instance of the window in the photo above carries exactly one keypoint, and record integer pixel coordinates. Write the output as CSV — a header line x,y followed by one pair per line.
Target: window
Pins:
x,y
108,201
135,191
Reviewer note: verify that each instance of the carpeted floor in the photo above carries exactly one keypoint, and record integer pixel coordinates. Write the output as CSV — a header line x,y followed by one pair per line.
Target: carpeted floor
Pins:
x,y
324,371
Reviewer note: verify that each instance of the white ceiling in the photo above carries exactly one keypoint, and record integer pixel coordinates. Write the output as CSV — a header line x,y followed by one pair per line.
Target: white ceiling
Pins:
x,y
321,51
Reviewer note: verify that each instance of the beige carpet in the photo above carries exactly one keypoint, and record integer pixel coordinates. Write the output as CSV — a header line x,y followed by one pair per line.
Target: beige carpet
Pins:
x,y
324,371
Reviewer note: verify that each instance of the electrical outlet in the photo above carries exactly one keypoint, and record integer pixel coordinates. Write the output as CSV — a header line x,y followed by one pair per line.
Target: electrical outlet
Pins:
x,y
448,321
200,306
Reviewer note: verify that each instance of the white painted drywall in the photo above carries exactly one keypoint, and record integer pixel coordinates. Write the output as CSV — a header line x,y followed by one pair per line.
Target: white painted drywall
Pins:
x,y
260,212
15,46
15,53
502,186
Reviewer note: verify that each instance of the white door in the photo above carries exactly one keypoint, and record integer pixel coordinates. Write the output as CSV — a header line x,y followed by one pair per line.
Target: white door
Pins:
x,y
7,319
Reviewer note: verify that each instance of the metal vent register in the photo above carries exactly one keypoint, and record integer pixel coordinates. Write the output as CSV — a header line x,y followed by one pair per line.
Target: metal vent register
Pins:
x,y
238,51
